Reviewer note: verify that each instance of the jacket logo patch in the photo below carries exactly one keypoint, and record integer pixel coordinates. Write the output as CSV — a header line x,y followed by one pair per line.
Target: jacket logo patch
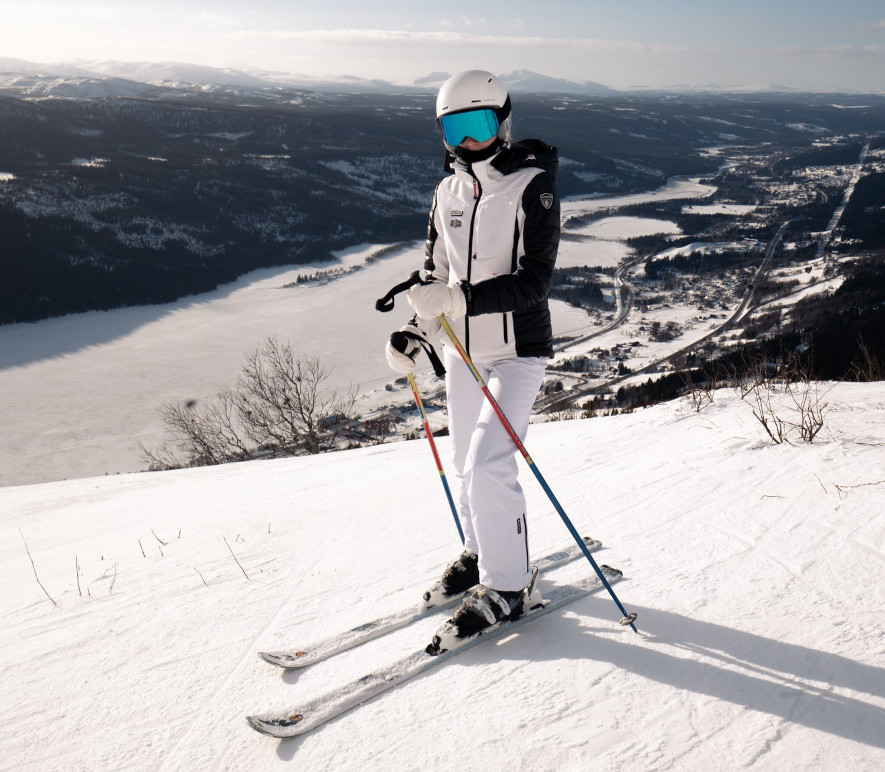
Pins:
x,y
457,213
546,200
454,223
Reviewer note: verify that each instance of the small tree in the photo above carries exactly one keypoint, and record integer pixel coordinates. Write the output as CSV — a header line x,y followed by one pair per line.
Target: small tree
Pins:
x,y
281,399
199,436
279,404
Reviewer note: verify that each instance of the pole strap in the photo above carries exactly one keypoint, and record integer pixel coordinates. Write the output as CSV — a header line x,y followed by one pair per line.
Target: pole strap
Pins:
x,y
386,303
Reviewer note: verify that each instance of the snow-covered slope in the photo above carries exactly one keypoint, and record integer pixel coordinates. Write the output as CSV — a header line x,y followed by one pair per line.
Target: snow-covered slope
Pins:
x,y
756,571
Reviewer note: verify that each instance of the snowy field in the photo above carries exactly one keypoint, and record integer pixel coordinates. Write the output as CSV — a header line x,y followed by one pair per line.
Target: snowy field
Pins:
x,y
731,209
620,228
756,572
592,252
602,243
676,187
81,392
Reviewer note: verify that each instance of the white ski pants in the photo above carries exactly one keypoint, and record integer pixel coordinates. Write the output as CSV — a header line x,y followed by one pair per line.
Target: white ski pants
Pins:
x,y
490,499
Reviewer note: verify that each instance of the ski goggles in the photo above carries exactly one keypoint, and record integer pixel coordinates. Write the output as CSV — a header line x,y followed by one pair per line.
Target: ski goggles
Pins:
x,y
480,125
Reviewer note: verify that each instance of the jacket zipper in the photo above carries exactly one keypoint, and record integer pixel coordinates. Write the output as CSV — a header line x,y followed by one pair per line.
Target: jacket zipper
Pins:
x,y
477,194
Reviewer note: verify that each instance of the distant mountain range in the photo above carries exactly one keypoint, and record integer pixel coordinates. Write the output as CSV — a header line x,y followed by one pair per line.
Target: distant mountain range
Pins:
x,y
114,78
85,79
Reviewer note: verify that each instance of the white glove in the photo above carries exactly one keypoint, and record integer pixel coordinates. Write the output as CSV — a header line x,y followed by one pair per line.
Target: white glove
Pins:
x,y
403,348
431,300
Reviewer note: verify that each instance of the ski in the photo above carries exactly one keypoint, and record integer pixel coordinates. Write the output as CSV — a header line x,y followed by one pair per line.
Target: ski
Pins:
x,y
336,644
305,718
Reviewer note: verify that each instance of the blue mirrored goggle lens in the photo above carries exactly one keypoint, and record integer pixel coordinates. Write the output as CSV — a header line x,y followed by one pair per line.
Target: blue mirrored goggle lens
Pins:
x,y
481,125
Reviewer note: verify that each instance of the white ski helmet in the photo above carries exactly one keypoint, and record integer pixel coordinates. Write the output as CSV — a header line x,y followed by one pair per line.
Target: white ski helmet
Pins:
x,y
470,91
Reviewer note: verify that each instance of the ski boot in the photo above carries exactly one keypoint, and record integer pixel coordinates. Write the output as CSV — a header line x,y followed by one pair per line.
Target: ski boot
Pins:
x,y
482,609
459,576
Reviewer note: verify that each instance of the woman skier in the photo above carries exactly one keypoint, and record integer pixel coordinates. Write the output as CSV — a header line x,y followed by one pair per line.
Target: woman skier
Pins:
x,y
492,240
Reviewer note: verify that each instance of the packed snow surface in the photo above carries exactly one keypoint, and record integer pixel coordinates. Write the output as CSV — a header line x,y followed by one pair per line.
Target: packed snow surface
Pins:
x,y
756,571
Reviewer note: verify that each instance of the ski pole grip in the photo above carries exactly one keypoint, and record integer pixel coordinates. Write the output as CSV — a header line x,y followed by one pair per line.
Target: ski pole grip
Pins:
x,y
399,341
385,304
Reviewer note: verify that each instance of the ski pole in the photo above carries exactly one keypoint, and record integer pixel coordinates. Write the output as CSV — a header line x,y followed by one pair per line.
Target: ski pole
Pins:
x,y
627,619
439,466
400,342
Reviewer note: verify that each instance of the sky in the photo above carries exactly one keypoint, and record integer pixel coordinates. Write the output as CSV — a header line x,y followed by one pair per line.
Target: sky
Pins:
x,y
805,44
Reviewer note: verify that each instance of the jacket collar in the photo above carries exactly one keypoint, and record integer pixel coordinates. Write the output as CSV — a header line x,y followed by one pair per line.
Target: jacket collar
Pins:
x,y
483,171
518,155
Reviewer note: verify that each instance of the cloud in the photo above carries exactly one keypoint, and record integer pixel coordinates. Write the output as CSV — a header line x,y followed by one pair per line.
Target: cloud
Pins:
x,y
451,39
462,21
846,51
218,19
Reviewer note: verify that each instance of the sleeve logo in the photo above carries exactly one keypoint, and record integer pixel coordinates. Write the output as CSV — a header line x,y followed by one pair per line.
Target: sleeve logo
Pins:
x,y
546,200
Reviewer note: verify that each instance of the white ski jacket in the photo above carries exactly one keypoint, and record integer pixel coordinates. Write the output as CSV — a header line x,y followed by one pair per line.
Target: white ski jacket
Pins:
x,y
494,228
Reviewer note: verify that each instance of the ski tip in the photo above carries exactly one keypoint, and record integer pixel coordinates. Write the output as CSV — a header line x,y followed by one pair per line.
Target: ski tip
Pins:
x,y
611,572
277,727
285,660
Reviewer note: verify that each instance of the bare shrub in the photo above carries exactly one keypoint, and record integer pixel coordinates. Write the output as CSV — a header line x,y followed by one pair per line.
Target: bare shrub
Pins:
x,y
801,410
199,435
279,405
809,408
282,401
562,410
699,394
759,397
870,369
754,373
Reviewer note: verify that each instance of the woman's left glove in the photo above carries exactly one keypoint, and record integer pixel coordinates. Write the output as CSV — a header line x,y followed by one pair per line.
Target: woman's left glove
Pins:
x,y
431,300
405,346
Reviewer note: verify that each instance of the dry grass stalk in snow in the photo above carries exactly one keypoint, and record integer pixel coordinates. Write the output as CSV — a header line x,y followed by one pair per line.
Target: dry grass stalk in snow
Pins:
x,y
235,558
35,570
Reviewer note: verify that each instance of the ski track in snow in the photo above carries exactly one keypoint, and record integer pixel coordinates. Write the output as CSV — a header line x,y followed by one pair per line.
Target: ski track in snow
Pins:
x,y
172,760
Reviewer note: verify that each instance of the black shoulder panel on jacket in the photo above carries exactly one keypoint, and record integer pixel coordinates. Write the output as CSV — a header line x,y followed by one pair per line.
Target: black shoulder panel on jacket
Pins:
x,y
528,152
432,235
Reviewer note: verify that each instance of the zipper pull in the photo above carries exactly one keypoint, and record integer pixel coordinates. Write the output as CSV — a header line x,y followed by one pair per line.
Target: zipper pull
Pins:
x,y
475,191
